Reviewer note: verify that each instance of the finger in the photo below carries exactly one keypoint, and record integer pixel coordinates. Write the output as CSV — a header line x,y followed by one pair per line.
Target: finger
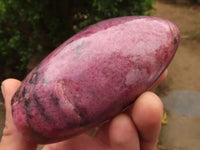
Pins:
x,y
11,138
80,142
123,133
8,88
147,114
119,134
160,79
103,134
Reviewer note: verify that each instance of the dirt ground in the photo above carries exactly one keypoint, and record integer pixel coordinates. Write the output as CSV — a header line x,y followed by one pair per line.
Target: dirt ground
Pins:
x,y
183,74
184,71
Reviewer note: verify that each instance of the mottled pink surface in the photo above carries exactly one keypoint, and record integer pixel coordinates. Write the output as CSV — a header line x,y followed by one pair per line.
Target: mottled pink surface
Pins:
x,y
93,76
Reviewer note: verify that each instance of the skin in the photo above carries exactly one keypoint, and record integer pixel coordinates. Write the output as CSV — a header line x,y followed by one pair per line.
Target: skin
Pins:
x,y
135,129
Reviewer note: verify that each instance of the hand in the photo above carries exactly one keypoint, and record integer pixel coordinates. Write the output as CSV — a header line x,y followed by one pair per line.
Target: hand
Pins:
x,y
136,129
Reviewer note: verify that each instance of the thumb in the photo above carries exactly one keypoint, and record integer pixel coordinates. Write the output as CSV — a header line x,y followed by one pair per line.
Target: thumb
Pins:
x,y
12,139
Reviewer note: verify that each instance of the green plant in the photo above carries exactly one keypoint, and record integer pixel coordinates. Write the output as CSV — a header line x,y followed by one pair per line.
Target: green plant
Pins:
x,y
90,11
26,28
29,27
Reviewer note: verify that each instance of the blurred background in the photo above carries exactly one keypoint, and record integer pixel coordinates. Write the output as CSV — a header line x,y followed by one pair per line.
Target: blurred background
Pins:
x,y
29,30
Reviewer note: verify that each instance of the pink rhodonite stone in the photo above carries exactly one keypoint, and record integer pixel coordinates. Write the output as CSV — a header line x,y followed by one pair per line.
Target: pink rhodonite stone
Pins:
x,y
93,76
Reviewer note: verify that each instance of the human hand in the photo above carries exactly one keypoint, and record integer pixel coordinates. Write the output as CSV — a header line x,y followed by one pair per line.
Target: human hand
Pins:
x,y
136,129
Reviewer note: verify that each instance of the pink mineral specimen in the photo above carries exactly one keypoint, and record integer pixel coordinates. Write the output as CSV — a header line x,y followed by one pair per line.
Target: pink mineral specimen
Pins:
x,y
93,76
